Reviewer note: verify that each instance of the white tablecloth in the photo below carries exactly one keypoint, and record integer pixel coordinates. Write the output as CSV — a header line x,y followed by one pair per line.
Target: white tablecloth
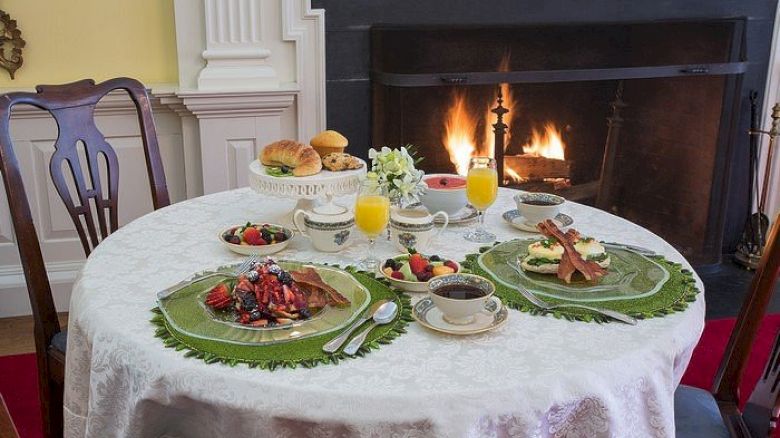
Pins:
x,y
535,376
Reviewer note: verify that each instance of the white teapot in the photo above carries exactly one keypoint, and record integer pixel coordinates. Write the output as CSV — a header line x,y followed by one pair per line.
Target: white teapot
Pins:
x,y
328,226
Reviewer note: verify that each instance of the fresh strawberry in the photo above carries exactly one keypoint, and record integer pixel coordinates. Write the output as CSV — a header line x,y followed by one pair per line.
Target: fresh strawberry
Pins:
x,y
253,237
397,275
417,263
219,297
452,265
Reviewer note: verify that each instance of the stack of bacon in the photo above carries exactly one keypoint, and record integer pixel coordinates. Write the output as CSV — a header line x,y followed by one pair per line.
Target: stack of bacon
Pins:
x,y
268,295
571,261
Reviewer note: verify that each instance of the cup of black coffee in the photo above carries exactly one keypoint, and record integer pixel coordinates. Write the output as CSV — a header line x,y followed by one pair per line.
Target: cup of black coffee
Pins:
x,y
538,207
461,296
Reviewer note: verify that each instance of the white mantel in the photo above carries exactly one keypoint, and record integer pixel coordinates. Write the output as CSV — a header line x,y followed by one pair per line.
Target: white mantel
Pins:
x,y
251,72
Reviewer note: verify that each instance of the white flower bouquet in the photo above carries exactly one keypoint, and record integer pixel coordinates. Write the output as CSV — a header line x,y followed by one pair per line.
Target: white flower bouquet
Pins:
x,y
394,170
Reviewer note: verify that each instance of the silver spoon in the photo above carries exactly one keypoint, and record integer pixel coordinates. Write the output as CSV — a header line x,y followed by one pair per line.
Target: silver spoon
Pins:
x,y
383,315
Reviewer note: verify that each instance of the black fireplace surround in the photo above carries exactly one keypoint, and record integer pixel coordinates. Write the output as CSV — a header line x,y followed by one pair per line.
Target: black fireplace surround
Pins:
x,y
351,90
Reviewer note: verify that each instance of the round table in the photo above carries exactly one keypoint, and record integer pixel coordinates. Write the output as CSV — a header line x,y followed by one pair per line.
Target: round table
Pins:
x,y
535,376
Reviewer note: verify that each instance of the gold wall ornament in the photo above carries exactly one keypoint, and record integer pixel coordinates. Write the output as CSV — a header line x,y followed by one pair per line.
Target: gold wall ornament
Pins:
x,y
11,44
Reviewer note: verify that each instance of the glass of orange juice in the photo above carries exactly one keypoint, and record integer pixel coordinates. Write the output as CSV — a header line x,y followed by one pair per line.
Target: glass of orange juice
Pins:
x,y
372,213
481,191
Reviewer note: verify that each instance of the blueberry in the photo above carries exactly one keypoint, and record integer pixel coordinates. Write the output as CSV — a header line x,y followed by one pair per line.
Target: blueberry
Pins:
x,y
255,315
235,240
435,258
275,269
389,263
285,278
267,236
252,276
305,313
279,236
285,169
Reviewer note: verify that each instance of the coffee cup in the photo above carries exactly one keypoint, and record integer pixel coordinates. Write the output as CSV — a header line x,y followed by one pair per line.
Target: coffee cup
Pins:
x,y
414,228
460,297
538,207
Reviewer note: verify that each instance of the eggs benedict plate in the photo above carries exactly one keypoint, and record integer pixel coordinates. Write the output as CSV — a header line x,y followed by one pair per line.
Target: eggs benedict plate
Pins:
x,y
544,256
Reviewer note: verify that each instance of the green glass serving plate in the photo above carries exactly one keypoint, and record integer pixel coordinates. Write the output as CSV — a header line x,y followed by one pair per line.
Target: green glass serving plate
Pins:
x,y
630,275
184,309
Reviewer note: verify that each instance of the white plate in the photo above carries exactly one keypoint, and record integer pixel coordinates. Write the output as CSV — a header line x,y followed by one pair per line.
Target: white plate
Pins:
x,y
515,219
257,249
464,215
428,315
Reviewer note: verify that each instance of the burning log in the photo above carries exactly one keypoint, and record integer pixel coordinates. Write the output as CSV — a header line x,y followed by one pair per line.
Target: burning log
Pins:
x,y
533,167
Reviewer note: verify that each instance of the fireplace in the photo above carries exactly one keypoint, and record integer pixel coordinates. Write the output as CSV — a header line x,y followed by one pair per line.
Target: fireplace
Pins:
x,y
632,117
641,112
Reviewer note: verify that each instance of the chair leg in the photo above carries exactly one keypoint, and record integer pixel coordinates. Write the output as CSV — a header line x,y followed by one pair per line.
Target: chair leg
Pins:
x,y
51,399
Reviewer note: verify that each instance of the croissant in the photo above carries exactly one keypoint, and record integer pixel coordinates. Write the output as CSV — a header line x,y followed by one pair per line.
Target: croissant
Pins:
x,y
303,159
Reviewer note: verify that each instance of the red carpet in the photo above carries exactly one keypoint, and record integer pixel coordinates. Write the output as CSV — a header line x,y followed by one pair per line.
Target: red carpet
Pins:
x,y
19,386
706,357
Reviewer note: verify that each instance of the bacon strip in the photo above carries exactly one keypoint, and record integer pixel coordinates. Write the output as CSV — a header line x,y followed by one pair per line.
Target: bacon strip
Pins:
x,y
571,261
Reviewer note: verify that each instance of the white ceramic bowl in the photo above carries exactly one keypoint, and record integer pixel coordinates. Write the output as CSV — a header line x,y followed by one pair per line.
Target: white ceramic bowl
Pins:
x,y
449,201
411,286
257,249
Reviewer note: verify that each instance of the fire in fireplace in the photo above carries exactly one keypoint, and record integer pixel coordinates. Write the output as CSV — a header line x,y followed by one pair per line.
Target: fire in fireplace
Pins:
x,y
634,118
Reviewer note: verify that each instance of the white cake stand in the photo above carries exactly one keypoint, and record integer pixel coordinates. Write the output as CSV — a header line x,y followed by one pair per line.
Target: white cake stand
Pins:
x,y
308,190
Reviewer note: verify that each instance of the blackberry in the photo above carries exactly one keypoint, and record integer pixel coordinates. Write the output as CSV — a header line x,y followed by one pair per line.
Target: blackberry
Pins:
x,y
285,278
248,300
267,235
235,240
285,169
279,236
389,263
252,276
435,258
305,313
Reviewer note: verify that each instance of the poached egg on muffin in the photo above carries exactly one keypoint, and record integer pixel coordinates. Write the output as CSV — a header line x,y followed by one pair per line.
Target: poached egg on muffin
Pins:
x,y
544,256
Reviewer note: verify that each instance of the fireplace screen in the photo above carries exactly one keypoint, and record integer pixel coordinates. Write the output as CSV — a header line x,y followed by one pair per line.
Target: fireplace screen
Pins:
x,y
635,118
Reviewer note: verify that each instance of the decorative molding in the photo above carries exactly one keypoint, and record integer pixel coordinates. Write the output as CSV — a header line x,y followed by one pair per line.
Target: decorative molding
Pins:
x,y
238,103
114,103
306,27
235,56
12,276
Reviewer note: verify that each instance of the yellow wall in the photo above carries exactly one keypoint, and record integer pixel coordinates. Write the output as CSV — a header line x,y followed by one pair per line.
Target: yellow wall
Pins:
x,y
76,39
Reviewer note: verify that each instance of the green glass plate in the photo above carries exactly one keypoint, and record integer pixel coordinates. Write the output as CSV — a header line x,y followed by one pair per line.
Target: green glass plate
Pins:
x,y
184,309
630,275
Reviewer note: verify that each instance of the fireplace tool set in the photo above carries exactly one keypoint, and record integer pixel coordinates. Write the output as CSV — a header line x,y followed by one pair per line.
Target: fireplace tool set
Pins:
x,y
751,246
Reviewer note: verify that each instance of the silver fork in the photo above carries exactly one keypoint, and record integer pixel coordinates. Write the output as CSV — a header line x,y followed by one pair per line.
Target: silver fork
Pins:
x,y
243,268
544,305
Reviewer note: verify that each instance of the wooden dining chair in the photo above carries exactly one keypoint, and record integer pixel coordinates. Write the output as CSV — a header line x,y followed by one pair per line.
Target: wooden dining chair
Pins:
x,y
92,207
700,413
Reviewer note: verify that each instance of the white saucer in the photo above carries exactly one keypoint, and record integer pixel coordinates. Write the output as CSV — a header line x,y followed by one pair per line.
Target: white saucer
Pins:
x,y
515,219
464,215
428,315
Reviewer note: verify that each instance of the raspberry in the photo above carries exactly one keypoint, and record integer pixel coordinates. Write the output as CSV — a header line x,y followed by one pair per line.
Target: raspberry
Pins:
x,y
397,275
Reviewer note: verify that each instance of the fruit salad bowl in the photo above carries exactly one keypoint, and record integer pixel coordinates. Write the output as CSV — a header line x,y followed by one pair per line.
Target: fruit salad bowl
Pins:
x,y
411,272
256,238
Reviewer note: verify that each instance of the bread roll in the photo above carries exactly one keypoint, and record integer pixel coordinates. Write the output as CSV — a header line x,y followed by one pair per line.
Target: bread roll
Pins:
x,y
303,159
329,141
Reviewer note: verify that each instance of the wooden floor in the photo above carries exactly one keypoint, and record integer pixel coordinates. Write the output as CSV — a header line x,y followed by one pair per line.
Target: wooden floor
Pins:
x,y
16,334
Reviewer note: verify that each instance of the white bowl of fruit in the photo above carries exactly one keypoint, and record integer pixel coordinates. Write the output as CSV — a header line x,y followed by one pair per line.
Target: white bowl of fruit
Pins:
x,y
258,239
411,272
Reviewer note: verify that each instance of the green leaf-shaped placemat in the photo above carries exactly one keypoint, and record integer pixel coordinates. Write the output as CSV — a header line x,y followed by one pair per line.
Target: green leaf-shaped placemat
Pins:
x,y
304,352
672,296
